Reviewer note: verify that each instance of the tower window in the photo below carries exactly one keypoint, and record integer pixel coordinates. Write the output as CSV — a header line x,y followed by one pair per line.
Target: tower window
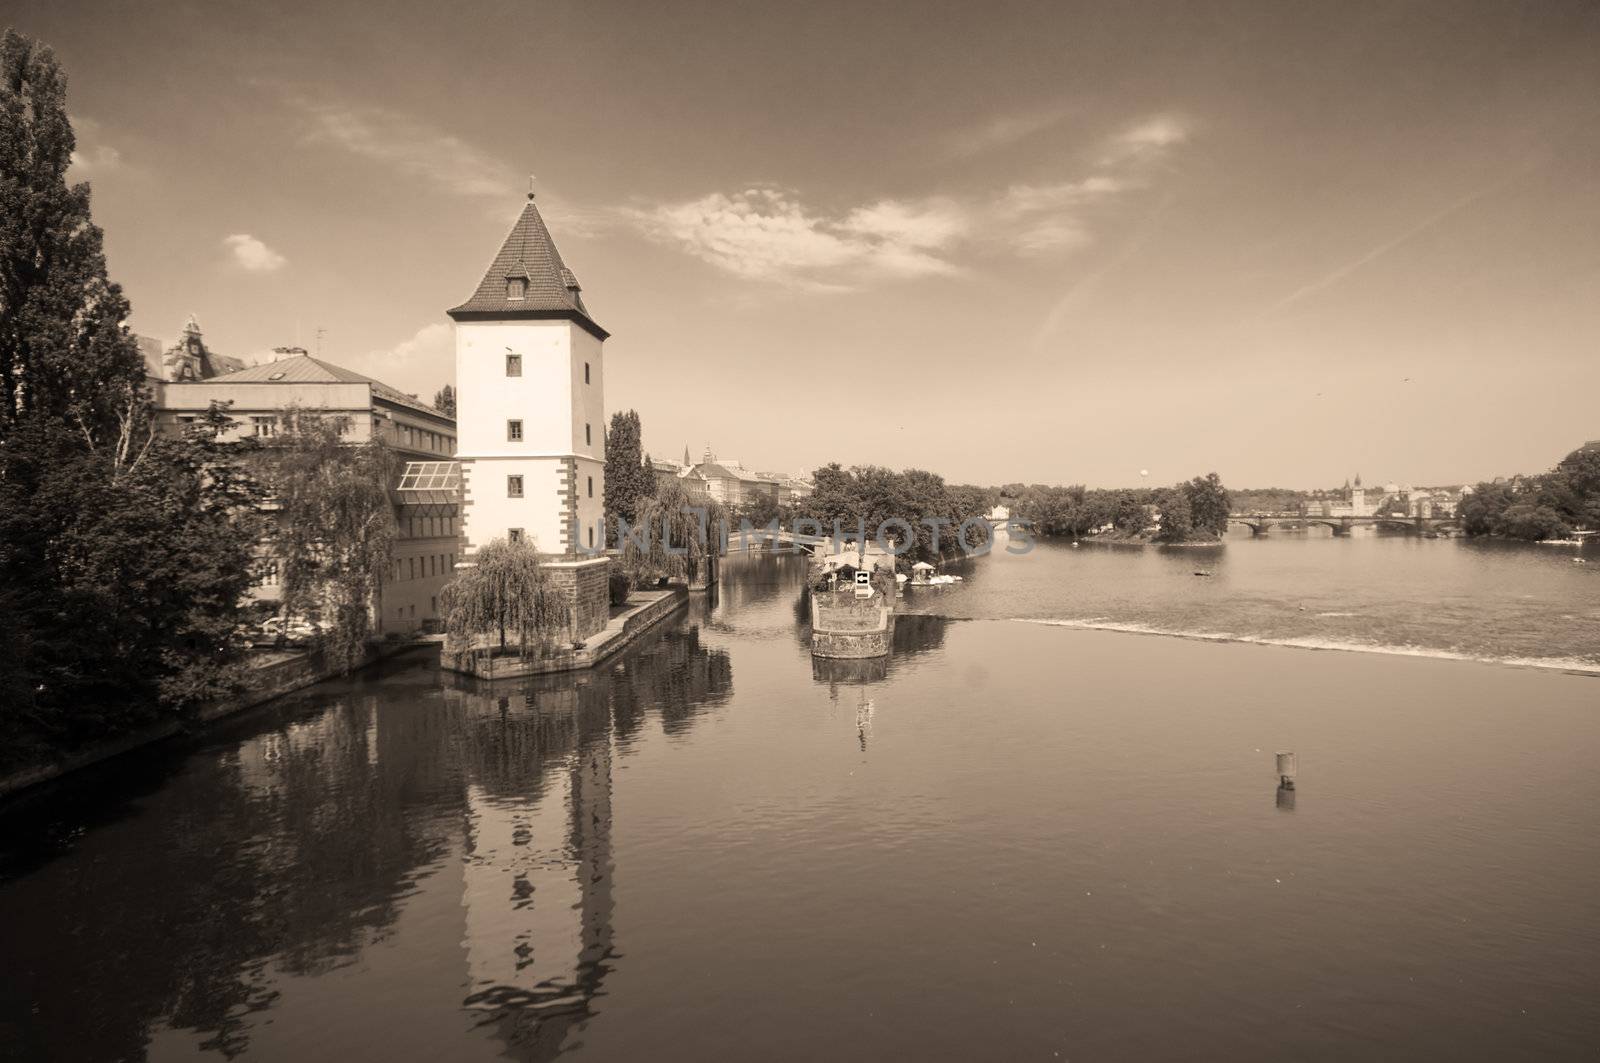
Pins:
x,y
591,536
514,534
585,372
513,431
513,365
591,487
513,487
516,288
588,434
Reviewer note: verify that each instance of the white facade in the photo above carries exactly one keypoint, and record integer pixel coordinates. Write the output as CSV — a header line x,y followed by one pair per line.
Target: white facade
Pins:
x,y
530,402
553,396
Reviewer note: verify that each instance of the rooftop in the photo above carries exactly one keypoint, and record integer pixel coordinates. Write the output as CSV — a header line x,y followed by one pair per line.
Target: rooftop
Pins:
x,y
304,369
529,254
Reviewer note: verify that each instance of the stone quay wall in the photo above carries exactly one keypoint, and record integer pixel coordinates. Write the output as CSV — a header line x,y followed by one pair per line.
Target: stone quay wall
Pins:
x,y
843,626
585,587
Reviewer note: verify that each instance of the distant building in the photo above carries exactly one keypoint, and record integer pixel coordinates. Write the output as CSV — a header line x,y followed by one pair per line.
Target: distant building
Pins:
x,y
792,489
188,359
727,481
667,471
259,395
1351,501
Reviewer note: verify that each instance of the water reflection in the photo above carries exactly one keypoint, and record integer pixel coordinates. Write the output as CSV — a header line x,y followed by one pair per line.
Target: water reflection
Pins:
x,y
478,813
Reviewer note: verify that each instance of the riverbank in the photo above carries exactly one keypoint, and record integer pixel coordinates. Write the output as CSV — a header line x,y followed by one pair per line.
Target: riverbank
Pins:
x,y
278,674
644,609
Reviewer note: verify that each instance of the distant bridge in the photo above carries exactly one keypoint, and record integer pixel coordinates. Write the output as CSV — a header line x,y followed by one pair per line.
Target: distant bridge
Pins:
x,y
1260,523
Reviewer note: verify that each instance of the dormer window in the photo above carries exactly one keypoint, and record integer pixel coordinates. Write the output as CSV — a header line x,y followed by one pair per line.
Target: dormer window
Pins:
x,y
516,288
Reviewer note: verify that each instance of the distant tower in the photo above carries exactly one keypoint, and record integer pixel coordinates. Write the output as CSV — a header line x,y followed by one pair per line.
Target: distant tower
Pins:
x,y
1358,498
686,461
530,402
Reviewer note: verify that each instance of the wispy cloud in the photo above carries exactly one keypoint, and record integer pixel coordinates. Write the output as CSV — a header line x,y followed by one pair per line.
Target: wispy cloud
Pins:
x,y
1003,131
769,234
251,254
1338,274
409,147
414,149
1147,140
418,365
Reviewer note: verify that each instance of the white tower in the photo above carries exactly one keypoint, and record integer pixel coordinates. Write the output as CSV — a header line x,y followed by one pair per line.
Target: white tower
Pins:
x,y
530,402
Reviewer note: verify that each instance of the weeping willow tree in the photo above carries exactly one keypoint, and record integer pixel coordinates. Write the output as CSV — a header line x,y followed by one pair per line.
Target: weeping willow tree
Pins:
x,y
506,592
674,536
335,527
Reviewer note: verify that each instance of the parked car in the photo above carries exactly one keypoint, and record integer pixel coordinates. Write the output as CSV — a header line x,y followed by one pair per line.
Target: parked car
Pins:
x,y
294,630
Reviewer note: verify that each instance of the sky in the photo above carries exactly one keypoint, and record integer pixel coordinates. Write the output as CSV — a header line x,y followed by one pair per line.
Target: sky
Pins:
x,y
1042,242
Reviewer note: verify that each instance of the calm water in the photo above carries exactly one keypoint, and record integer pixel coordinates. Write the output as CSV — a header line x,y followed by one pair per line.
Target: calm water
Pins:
x,y
1012,840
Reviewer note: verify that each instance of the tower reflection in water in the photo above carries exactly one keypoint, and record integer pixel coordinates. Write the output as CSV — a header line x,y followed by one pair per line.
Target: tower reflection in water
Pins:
x,y
537,864
913,635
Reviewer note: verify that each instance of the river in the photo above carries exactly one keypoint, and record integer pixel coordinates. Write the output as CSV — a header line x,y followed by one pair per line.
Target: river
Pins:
x,y
1013,839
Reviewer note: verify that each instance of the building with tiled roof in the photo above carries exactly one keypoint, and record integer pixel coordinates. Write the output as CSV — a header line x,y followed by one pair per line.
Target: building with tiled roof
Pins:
x,y
530,400
257,398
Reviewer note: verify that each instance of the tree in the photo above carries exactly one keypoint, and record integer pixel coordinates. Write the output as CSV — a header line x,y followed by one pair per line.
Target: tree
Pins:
x,y
121,572
760,510
335,528
674,536
1128,513
507,591
869,498
444,400
1176,517
64,353
1209,504
629,479
1480,511
1525,520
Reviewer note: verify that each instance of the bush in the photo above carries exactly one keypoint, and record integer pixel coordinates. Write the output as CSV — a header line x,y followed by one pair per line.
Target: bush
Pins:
x,y
620,586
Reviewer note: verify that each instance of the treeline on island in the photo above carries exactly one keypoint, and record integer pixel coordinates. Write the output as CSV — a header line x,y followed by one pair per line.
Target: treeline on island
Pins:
x,y
916,509
1551,505
1196,511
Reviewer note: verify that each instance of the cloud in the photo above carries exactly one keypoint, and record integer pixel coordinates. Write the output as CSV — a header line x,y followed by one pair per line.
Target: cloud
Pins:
x,y
766,234
98,159
91,157
769,234
409,147
416,150
1147,140
253,255
1003,131
419,365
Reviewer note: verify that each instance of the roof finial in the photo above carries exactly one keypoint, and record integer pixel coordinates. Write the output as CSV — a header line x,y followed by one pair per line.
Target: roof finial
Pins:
x,y
530,187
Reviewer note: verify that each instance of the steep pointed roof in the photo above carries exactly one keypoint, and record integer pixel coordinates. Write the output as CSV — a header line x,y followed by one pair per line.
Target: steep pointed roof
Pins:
x,y
530,254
